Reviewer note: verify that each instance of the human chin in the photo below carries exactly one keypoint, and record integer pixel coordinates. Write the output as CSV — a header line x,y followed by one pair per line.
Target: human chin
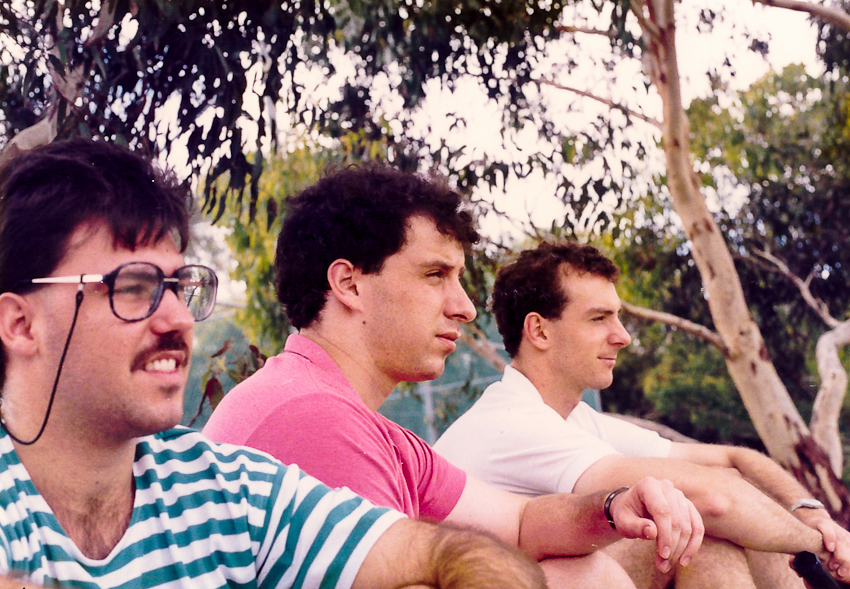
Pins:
x,y
428,370
159,418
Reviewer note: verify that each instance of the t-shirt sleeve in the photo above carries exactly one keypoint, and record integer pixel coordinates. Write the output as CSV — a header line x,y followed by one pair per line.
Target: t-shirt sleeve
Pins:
x,y
304,533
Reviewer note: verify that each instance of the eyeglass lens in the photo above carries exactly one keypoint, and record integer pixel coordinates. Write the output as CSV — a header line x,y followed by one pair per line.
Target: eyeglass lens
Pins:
x,y
138,287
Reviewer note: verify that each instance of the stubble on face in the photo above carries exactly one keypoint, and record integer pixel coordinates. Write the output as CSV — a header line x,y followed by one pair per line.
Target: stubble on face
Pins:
x,y
418,305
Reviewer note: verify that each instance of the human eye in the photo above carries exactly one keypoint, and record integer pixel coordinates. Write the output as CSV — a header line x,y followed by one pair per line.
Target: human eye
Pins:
x,y
435,274
135,285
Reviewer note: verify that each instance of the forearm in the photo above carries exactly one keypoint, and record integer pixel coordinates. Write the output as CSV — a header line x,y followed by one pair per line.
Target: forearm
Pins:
x,y
735,510
565,525
415,553
732,508
760,505
766,475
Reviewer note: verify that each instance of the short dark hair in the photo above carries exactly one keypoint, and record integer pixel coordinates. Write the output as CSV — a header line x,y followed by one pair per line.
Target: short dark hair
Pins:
x,y
46,193
531,283
359,213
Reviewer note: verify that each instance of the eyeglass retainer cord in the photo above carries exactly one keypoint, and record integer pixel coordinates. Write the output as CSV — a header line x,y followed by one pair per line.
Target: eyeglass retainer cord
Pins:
x,y
79,302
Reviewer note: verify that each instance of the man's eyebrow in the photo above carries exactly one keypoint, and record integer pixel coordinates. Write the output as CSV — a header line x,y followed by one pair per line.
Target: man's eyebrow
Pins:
x,y
601,311
443,265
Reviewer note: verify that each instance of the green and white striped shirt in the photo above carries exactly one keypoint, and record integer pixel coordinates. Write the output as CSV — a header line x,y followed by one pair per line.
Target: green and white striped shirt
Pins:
x,y
205,515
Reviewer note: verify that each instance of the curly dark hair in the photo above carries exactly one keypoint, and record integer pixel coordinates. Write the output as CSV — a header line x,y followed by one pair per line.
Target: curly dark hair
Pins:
x,y
359,213
531,283
46,193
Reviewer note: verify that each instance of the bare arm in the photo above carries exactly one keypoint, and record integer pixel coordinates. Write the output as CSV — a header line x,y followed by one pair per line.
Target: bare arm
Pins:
x,y
412,553
569,525
758,469
776,482
732,508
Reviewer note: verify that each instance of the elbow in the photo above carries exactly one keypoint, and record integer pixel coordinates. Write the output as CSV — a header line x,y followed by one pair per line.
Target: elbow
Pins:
x,y
714,505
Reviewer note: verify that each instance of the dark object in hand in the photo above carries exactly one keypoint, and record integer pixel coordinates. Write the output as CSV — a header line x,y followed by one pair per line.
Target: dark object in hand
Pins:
x,y
811,569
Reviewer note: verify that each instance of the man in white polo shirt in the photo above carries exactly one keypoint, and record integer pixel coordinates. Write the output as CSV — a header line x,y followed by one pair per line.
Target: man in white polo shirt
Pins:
x,y
557,310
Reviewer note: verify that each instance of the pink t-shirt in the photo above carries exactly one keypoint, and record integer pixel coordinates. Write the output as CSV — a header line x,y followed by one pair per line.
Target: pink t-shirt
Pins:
x,y
301,409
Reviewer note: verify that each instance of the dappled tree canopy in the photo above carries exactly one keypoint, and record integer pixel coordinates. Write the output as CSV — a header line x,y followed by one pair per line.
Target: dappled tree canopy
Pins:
x,y
215,77
157,74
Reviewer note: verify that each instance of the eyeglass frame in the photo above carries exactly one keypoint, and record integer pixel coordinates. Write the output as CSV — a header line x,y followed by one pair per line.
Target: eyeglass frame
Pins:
x,y
165,282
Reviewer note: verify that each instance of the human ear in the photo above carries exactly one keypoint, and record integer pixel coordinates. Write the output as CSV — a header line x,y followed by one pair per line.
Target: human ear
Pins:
x,y
16,329
535,330
343,278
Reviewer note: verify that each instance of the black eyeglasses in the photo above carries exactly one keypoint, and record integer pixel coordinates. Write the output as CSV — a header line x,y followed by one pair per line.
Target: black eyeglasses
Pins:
x,y
136,289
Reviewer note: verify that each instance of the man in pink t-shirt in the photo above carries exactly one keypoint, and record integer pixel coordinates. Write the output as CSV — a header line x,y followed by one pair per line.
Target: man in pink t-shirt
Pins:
x,y
335,436
368,266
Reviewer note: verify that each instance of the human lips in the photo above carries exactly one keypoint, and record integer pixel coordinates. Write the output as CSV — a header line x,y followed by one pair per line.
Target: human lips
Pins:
x,y
163,362
450,338
168,356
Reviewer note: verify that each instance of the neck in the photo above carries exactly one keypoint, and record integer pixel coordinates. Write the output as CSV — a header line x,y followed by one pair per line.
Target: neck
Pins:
x,y
369,384
554,392
90,490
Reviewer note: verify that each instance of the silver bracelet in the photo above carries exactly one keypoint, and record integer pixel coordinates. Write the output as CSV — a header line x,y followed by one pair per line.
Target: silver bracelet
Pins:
x,y
807,503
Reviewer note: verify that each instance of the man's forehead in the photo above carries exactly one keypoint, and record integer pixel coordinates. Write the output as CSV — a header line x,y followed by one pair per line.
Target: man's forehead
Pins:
x,y
93,242
424,239
590,291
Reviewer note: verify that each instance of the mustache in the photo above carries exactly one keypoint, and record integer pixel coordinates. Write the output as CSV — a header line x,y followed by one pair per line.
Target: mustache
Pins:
x,y
169,342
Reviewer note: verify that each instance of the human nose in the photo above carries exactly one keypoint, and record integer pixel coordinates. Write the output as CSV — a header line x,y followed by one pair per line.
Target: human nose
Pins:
x,y
460,305
172,313
620,336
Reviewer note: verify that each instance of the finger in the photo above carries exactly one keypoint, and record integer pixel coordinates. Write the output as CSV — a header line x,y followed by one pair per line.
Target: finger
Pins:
x,y
696,538
829,536
657,502
681,521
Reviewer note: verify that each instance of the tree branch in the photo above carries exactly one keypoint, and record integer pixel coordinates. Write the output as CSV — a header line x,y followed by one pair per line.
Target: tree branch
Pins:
x,y
477,341
68,87
833,16
690,327
604,101
833,376
589,31
830,397
802,285
638,7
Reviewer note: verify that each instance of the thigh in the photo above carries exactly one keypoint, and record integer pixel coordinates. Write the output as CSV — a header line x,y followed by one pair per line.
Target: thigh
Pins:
x,y
718,563
594,570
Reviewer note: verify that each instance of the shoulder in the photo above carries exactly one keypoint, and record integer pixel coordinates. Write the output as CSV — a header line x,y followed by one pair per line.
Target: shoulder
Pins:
x,y
175,453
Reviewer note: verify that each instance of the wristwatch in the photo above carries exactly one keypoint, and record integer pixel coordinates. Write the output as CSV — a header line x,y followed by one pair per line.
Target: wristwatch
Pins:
x,y
807,503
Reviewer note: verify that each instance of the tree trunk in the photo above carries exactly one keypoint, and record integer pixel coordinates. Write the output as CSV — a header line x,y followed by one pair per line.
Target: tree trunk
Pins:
x,y
776,419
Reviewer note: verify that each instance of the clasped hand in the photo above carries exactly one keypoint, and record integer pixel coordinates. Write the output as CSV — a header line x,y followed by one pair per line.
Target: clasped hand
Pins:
x,y
654,509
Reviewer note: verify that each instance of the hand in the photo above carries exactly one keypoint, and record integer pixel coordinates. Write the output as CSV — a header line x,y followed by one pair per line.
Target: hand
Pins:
x,y
836,541
655,510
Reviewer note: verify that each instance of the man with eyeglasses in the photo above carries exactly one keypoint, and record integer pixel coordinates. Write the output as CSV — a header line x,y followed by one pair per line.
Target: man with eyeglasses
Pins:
x,y
98,488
